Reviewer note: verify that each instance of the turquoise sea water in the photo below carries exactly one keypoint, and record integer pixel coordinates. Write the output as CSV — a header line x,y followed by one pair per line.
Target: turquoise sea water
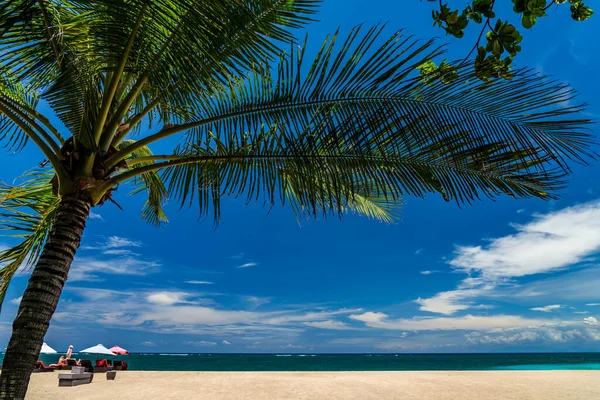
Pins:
x,y
354,362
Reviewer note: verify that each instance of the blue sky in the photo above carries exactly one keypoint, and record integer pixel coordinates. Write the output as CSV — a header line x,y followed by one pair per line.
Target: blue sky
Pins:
x,y
496,276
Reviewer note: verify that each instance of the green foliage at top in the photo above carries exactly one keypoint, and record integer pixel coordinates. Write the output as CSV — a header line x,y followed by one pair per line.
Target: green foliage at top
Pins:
x,y
495,56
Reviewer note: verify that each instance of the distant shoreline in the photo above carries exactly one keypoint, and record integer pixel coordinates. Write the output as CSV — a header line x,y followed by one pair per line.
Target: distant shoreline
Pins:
x,y
207,361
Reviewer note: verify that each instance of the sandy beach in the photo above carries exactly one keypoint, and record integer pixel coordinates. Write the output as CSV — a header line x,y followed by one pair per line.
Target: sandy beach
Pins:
x,y
487,385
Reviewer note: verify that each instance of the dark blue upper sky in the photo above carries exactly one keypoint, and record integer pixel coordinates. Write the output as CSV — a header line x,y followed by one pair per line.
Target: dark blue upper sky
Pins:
x,y
509,275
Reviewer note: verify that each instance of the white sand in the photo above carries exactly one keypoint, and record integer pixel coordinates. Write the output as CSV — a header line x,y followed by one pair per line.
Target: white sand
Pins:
x,y
488,385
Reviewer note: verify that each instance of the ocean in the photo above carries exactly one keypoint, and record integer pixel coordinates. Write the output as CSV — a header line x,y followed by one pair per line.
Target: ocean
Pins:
x,y
352,362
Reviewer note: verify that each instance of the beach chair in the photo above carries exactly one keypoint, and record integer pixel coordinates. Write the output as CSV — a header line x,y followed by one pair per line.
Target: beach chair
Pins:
x,y
102,366
87,364
120,365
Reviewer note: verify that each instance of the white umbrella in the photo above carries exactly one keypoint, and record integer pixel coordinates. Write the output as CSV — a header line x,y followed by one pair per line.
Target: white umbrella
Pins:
x,y
47,349
98,349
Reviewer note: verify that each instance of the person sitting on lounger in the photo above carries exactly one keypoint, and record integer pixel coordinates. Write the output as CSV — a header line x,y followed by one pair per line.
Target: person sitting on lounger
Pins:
x,y
40,365
62,361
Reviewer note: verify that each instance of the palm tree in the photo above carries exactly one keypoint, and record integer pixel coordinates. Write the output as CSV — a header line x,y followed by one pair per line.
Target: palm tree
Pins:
x,y
351,127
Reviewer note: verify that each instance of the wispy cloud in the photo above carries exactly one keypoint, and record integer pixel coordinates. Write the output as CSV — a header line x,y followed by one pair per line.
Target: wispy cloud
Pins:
x,y
429,272
113,242
179,312
468,322
93,269
167,298
255,301
118,252
592,304
16,300
226,343
549,308
97,216
328,324
419,251
201,343
539,335
247,265
549,243
199,282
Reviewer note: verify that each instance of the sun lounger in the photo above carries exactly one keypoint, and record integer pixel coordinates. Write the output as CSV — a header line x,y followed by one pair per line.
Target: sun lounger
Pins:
x,y
120,365
90,368
87,364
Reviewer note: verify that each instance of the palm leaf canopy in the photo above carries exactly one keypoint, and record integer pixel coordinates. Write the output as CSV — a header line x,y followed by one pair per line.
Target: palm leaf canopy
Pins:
x,y
249,111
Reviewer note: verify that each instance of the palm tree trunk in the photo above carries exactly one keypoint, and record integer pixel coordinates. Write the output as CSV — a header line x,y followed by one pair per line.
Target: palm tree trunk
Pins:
x,y
41,296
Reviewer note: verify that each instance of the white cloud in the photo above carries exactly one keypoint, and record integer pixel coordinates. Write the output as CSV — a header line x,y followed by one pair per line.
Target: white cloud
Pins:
x,y
118,252
578,285
225,342
117,242
328,324
549,308
200,282
178,312
549,243
247,265
148,344
201,343
113,242
255,301
16,300
541,335
167,298
592,304
307,316
468,322
90,269
429,272
94,215
448,303
591,321
451,301
419,251
95,294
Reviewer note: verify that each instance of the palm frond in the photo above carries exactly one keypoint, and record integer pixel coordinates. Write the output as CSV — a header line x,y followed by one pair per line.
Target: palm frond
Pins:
x,y
364,204
69,49
357,118
27,211
12,90
49,50
151,183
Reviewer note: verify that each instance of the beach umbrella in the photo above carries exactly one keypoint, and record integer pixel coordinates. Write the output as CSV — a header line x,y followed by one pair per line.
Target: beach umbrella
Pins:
x,y
98,349
119,350
47,349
